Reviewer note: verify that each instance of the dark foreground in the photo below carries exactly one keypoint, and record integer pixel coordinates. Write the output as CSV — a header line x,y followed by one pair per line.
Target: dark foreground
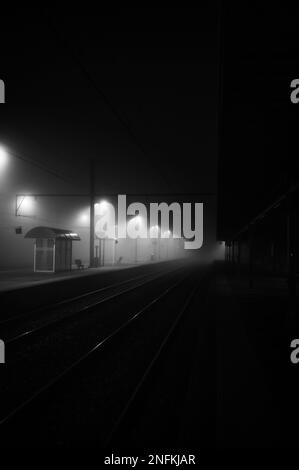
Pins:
x,y
171,356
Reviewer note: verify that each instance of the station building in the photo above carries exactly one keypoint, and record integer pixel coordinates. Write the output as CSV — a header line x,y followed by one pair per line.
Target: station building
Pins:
x,y
43,228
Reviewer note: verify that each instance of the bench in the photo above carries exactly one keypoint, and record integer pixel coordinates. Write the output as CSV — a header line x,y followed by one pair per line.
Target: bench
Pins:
x,y
78,263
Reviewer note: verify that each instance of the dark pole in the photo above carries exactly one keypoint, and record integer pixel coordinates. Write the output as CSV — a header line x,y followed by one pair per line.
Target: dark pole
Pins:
x,y
239,256
92,203
251,248
104,251
291,239
136,250
272,253
233,253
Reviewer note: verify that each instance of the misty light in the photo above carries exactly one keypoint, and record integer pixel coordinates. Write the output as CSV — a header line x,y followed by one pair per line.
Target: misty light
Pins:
x,y
83,218
102,207
25,205
136,228
166,234
3,158
154,231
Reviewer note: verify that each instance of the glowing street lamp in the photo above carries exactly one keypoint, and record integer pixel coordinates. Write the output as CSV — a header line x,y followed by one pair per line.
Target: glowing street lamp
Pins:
x,y
3,158
166,234
134,225
25,205
136,220
154,231
101,207
83,218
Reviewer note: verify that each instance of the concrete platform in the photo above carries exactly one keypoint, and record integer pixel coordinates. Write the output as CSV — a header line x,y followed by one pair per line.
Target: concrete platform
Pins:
x,y
22,278
243,388
24,292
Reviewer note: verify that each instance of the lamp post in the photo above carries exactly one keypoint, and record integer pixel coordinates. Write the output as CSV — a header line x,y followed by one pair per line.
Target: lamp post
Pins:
x,y
115,242
154,233
167,236
137,222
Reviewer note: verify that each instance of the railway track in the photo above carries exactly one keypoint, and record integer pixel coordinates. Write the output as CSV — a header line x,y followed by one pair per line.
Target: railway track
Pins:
x,y
65,302
24,327
8,412
178,294
130,410
34,300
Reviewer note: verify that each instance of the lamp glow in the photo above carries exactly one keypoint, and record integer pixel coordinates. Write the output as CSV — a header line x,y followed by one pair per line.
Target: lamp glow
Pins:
x,y
25,206
167,234
83,218
154,231
3,158
102,207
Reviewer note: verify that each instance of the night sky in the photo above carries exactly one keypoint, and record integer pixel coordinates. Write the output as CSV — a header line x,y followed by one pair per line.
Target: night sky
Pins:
x,y
134,88
258,159
138,90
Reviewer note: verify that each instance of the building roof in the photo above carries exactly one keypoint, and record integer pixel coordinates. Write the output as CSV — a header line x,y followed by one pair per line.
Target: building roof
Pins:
x,y
49,232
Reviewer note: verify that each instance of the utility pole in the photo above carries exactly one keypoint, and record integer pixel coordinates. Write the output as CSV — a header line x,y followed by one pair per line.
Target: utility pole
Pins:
x,y
251,231
291,245
92,203
136,250
239,245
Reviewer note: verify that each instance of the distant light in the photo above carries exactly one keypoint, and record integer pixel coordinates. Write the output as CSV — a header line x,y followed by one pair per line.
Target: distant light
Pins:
x,y
102,207
3,158
83,218
166,234
136,227
137,221
154,231
25,205
103,203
